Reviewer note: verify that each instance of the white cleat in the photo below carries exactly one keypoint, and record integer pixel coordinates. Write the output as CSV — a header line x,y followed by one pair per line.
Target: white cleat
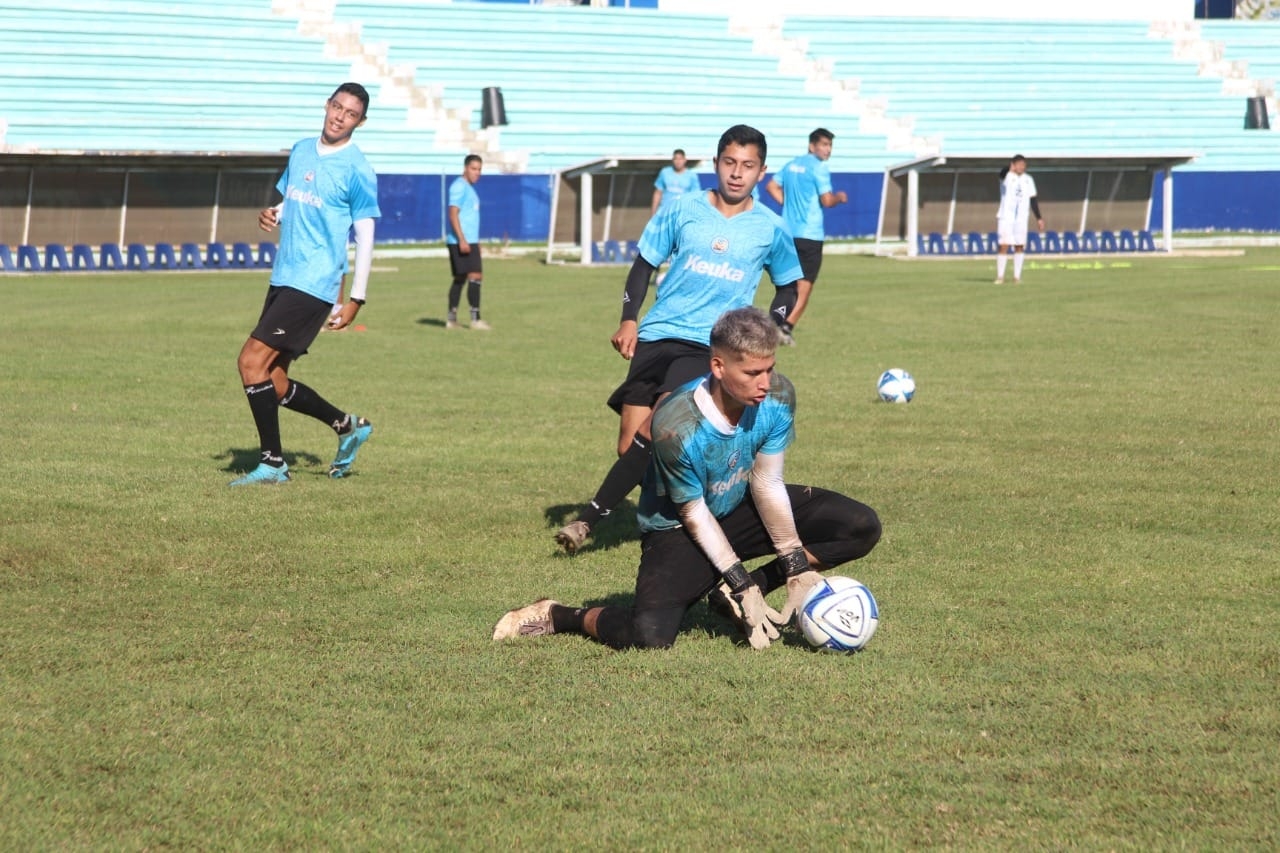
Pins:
x,y
531,621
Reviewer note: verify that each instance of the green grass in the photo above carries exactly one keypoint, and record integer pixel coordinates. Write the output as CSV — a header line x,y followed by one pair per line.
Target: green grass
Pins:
x,y
1078,576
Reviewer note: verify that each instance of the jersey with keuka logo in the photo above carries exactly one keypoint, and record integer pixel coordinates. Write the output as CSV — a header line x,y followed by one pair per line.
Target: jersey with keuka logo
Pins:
x,y
716,265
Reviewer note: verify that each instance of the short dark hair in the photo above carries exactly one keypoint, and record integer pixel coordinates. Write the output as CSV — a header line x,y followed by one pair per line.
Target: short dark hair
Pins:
x,y
354,89
1017,157
679,151
820,134
743,134
472,158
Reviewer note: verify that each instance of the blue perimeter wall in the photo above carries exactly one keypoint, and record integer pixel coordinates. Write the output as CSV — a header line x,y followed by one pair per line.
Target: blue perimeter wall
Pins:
x,y
518,207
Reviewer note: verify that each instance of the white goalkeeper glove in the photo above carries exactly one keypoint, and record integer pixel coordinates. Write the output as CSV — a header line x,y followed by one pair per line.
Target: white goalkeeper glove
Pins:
x,y
747,600
800,579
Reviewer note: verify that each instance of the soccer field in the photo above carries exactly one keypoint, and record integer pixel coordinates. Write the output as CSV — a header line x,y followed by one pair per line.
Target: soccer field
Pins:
x,y
1078,580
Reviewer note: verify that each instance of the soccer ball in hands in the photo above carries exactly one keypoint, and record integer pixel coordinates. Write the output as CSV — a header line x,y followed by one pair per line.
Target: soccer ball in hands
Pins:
x,y
839,615
896,386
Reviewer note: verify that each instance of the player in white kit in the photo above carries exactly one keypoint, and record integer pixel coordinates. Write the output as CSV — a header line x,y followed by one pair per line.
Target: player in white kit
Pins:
x,y
1017,198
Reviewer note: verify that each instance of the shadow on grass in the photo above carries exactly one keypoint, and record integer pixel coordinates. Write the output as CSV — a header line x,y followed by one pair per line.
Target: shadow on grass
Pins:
x,y
242,460
701,619
431,321
617,528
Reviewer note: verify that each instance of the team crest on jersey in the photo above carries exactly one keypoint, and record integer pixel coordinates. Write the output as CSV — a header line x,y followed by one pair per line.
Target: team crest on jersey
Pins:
x,y
308,177
733,459
720,245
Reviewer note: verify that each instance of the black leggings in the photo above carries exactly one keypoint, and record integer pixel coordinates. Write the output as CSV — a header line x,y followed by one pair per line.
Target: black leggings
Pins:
x,y
674,572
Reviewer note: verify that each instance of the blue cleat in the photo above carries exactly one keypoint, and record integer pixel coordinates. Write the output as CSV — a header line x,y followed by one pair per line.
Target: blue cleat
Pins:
x,y
263,475
349,446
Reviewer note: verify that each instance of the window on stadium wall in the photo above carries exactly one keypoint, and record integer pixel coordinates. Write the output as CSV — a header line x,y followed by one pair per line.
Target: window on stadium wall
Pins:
x,y
98,199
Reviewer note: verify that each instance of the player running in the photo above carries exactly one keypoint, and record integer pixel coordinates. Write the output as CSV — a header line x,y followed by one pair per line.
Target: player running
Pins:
x,y
715,496
719,243
1017,197
329,188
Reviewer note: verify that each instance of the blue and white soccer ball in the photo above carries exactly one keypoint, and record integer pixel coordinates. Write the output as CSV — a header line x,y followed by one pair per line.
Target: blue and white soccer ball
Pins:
x,y
896,386
839,615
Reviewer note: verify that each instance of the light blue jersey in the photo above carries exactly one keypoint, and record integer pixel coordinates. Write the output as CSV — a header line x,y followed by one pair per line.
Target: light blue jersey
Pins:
x,y
698,454
716,264
675,184
323,195
463,195
804,181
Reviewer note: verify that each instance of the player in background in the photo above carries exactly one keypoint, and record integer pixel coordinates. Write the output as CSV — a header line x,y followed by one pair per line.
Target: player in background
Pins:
x,y
1017,199
328,189
673,182
715,496
720,242
463,240
803,188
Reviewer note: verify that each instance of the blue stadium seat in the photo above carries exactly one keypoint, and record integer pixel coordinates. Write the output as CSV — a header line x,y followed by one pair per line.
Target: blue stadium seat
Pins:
x,y
6,258
241,255
1070,242
1051,242
922,247
266,253
1088,241
1034,246
135,257
993,243
936,244
216,256
164,258
1146,243
1126,242
976,246
55,257
82,257
110,257
955,243
28,258
1107,241
189,256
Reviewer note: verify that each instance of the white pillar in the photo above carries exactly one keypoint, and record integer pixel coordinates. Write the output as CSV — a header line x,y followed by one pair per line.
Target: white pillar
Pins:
x,y
913,213
584,217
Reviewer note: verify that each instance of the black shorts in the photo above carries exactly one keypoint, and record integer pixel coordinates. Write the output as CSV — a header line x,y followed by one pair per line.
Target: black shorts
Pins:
x,y
810,252
674,571
658,367
290,320
468,264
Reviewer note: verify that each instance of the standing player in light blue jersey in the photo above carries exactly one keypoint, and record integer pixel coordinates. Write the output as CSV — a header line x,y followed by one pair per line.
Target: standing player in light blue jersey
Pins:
x,y
719,243
328,189
463,239
803,188
673,182
715,496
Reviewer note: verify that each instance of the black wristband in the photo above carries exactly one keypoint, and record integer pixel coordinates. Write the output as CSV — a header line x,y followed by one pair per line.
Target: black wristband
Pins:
x,y
794,563
357,301
737,578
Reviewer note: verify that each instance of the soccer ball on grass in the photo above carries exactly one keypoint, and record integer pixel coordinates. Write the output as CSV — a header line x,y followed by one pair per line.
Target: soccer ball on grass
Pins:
x,y
839,615
896,386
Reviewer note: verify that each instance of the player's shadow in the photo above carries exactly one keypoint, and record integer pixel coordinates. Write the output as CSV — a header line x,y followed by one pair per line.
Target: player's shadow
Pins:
x,y
431,321
242,460
617,528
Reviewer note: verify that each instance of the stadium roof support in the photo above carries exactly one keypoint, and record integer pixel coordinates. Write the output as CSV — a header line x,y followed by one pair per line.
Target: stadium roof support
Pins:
x,y
950,194
605,199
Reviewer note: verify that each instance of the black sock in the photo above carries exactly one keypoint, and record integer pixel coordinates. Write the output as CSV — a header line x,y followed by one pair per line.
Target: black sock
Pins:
x,y
567,620
624,476
299,398
473,297
455,296
266,416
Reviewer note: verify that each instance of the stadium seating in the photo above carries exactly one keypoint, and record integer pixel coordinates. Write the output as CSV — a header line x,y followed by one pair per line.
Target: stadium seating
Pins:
x,y
55,257
82,257
1107,241
975,245
110,257
1052,243
1070,242
1146,243
1089,241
